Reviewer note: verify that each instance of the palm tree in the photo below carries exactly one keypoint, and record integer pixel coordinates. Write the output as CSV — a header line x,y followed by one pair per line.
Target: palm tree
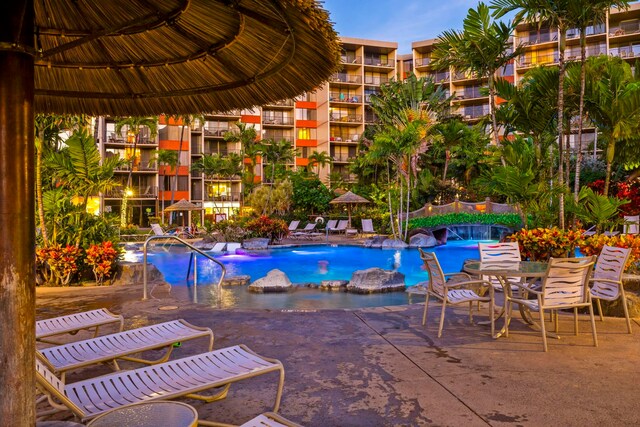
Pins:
x,y
167,158
612,100
554,13
247,137
586,14
482,47
319,159
453,132
276,154
185,120
81,170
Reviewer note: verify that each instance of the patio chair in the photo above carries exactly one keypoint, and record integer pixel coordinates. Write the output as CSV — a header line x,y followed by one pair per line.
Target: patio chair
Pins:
x,y
450,293
341,227
73,323
109,348
305,232
606,283
232,246
269,419
367,227
564,285
293,225
631,224
501,253
331,224
219,247
187,377
157,230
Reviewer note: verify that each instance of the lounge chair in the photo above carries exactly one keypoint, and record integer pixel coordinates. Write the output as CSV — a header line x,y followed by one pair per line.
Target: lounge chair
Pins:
x,y
341,227
157,230
269,419
331,224
219,247
186,377
231,247
73,323
293,225
500,253
367,227
631,224
305,232
108,348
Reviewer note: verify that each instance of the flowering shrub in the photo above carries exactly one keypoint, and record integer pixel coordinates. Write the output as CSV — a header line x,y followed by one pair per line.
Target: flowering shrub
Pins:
x,y
539,244
623,191
58,264
274,229
592,245
102,259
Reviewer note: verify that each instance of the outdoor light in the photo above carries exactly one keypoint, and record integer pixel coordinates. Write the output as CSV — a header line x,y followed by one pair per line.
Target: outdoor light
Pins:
x,y
128,192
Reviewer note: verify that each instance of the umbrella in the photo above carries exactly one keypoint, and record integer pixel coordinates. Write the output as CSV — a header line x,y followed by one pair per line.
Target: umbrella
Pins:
x,y
183,205
349,199
128,57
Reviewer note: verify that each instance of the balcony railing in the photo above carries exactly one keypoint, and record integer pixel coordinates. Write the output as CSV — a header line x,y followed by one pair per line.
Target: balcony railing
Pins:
x,y
279,121
471,113
625,28
461,75
141,192
220,151
341,97
143,166
469,94
377,62
119,139
528,61
278,136
349,118
591,30
537,38
367,97
345,137
574,54
282,103
226,197
214,131
422,62
371,119
376,80
625,51
350,59
346,78
342,158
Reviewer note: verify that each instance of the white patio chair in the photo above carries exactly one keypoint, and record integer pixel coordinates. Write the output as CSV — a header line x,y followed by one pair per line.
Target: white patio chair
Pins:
x,y
305,232
367,227
565,285
269,419
632,224
73,323
293,225
606,283
503,252
453,293
187,377
109,348
219,247
341,227
331,224
232,246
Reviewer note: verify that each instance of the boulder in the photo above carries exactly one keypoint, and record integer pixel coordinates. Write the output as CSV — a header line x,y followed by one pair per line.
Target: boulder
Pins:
x,y
376,280
202,245
131,272
393,244
274,281
334,285
422,240
240,280
256,243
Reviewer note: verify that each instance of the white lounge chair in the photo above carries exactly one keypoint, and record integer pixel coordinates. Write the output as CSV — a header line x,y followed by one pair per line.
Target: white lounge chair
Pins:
x,y
606,283
452,293
109,348
157,230
331,224
231,247
367,227
269,419
341,227
219,247
187,377
631,224
293,225
305,232
73,323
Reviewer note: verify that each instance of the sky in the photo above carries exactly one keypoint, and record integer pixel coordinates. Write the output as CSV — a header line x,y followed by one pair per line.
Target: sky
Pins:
x,y
401,21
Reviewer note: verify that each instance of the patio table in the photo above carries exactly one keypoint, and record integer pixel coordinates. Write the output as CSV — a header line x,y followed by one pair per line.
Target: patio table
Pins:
x,y
528,270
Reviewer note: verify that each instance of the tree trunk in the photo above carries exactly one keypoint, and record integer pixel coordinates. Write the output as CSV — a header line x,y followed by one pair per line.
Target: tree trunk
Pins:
x,y
492,107
39,201
561,68
17,216
583,81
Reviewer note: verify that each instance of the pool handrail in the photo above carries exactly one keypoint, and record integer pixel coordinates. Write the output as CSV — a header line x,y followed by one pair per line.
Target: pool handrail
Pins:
x,y
193,248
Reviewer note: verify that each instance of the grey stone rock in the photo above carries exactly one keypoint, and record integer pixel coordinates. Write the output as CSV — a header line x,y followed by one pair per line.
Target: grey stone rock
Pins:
x,y
334,285
422,240
236,280
376,280
274,281
256,243
393,244
131,272
202,245
374,242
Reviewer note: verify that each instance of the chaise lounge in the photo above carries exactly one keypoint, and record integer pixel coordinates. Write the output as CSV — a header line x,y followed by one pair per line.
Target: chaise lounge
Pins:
x,y
73,323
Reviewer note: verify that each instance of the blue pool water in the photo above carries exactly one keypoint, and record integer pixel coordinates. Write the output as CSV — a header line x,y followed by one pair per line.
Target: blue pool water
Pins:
x,y
305,264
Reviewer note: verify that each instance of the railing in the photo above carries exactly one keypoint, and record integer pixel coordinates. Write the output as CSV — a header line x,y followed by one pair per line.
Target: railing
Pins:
x,y
280,121
591,30
119,139
457,206
346,137
346,78
350,59
377,62
141,167
470,113
469,94
375,80
463,75
537,39
342,158
193,248
630,27
229,197
625,51
214,131
142,192
349,118
528,61
220,151
277,136
341,97
371,118
422,62
282,103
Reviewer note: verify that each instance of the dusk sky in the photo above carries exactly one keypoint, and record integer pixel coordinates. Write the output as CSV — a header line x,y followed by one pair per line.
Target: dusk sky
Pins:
x,y
403,21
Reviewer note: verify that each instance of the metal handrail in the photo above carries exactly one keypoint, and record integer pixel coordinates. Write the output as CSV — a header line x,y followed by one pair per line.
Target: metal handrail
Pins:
x,y
144,261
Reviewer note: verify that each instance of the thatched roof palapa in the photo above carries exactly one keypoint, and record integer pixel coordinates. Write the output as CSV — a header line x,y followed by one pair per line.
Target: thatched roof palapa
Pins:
x,y
183,205
133,57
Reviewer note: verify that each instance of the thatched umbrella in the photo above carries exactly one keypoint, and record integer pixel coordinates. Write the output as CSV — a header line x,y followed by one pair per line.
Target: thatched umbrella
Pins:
x,y
183,205
127,57
349,199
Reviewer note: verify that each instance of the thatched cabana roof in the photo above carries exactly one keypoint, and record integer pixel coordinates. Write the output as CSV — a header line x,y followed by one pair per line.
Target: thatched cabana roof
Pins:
x,y
137,57
183,205
349,197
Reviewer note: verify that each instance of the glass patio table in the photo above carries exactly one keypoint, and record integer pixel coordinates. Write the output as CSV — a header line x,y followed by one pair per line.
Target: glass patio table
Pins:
x,y
529,271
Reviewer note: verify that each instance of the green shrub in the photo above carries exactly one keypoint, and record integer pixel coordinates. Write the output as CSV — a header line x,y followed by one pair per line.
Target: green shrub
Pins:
x,y
507,219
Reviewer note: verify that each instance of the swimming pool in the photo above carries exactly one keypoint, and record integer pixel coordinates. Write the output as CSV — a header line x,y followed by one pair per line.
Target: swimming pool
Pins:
x,y
303,265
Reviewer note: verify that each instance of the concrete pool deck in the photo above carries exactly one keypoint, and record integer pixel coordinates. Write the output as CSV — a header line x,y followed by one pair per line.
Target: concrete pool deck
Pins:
x,y
381,367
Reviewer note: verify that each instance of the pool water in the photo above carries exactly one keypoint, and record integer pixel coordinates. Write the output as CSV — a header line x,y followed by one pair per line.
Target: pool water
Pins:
x,y
303,265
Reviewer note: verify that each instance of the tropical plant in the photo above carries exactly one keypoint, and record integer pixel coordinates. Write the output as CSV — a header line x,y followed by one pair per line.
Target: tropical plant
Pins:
x,y
310,195
539,244
57,264
274,199
592,245
511,220
453,133
102,259
319,159
597,209
166,158
251,149
271,228
276,154
482,47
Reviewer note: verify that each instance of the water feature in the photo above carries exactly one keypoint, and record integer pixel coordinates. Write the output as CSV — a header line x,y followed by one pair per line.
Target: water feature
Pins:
x,y
303,265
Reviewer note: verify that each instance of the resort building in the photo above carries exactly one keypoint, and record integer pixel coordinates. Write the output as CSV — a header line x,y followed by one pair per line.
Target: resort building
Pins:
x,y
332,119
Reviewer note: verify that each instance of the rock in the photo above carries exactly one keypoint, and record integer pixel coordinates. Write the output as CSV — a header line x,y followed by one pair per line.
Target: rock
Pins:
x,y
374,242
131,272
393,244
334,285
422,240
256,243
236,280
274,281
376,280
202,245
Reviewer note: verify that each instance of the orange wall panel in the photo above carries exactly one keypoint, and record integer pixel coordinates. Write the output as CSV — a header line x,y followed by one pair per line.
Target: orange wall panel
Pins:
x,y
307,142
250,119
306,104
166,195
301,161
307,123
164,120
168,144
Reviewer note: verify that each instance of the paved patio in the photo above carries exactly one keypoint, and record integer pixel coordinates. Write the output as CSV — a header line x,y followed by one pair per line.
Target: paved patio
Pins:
x,y
380,367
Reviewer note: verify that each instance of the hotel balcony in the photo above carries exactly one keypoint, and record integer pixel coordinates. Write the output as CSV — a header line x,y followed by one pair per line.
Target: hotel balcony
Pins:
x,y
371,119
346,98
376,80
346,78
116,139
224,197
536,39
214,131
422,62
283,103
377,62
345,137
346,118
591,30
277,121
142,166
461,75
141,192
350,59
342,158
533,61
